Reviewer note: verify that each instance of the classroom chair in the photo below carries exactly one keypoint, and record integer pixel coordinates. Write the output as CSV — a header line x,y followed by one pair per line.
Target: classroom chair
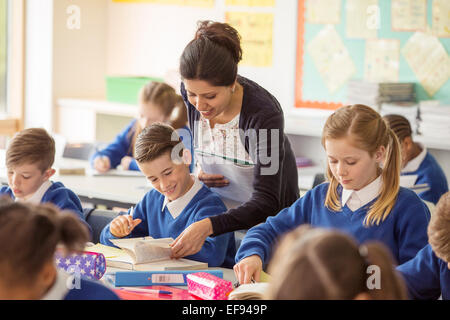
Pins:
x,y
98,219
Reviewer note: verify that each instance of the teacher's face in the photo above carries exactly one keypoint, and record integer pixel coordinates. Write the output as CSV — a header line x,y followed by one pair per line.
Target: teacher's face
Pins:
x,y
210,101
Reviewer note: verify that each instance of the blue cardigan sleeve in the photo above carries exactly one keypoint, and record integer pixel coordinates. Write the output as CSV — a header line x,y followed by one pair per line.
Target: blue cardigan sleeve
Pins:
x,y
119,148
214,250
260,239
421,275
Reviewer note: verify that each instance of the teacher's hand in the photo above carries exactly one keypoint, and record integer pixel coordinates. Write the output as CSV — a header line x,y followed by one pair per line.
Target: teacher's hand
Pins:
x,y
213,180
191,240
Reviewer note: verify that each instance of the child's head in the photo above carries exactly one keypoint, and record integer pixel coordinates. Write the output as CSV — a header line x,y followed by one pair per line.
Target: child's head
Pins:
x,y
157,100
402,128
359,146
29,159
29,235
321,264
439,229
161,156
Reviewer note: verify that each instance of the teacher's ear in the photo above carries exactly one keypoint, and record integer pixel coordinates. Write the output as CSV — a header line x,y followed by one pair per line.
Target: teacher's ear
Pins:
x,y
187,157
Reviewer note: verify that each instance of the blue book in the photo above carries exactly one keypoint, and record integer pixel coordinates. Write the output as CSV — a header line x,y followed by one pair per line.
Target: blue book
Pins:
x,y
149,278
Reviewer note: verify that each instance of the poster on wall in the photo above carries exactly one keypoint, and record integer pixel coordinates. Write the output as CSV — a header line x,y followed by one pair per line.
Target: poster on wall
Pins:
x,y
250,3
382,59
429,61
409,15
192,3
363,23
323,11
256,30
441,18
331,58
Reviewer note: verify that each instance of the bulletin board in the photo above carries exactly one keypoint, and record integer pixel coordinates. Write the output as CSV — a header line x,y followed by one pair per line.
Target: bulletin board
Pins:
x,y
312,87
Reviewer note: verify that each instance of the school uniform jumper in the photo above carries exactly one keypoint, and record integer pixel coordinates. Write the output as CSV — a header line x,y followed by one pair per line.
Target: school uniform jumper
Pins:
x,y
426,276
162,219
121,147
58,194
428,171
404,231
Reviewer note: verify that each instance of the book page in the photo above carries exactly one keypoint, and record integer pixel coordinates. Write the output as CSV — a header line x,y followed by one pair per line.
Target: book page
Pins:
x,y
409,15
331,58
148,251
323,11
382,60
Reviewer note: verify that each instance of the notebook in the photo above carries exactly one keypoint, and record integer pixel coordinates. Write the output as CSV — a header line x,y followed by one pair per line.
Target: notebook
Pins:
x,y
145,254
250,291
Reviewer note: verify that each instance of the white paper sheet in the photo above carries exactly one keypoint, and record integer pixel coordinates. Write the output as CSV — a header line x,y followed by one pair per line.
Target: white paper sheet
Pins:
x,y
241,177
323,11
441,18
363,19
382,60
331,58
409,15
428,59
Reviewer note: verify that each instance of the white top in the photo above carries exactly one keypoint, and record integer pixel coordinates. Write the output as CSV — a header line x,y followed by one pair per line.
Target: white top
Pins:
x,y
37,196
176,206
357,199
222,140
415,163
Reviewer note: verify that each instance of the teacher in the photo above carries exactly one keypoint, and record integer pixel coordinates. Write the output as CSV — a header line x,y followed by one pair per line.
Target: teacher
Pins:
x,y
232,117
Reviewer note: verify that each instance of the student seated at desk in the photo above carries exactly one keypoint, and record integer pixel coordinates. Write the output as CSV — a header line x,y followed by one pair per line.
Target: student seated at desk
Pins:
x,y
158,102
361,198
428,274
29,236
322,264
29,159
178,199
416,160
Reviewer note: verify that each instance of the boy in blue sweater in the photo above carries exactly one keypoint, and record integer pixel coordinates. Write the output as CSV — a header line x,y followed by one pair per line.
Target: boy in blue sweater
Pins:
x,y
428,274
29,236
177,200
362,197
29,159
416,160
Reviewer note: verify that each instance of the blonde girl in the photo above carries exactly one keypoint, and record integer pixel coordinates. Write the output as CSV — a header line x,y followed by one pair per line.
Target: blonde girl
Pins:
x,y
362,196
158,102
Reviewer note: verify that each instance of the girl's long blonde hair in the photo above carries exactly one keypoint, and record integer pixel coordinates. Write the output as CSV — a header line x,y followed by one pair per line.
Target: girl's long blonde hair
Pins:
x,y
369,131
167,100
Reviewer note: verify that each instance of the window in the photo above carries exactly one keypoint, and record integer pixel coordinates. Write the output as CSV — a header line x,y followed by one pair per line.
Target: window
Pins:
x,y
3,53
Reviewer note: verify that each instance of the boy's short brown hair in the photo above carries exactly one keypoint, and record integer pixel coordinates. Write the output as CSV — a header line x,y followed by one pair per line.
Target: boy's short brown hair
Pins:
x,y
156,140
33,145
439,228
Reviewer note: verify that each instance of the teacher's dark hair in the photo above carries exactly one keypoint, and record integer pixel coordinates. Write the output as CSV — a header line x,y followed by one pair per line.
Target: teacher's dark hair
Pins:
x,y
213,55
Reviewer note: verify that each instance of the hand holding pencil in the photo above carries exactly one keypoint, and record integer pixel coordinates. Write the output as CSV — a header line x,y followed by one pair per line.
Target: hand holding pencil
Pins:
x,y
123,225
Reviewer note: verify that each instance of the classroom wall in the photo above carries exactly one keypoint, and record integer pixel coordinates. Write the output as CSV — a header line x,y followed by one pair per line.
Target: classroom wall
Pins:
x,y
147,39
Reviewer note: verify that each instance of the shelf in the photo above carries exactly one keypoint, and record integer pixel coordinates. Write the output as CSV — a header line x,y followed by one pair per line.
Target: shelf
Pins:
x,y
100,106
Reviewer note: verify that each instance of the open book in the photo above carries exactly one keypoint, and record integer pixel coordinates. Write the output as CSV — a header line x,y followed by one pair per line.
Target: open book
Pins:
x,y
250,291
145,254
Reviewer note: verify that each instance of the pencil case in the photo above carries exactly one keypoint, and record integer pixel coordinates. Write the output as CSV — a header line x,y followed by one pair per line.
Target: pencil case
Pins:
x,y
208,286
90,265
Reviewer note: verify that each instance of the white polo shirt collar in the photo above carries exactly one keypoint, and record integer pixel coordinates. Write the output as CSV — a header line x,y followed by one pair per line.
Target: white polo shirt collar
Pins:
x,y
357,199
414,164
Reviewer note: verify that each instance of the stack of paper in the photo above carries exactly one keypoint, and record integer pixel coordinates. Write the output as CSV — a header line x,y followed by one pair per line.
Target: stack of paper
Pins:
x,y
434,121
373,94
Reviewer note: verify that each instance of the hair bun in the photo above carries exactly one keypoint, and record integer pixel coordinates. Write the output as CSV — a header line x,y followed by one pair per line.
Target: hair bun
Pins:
x,y
221,34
